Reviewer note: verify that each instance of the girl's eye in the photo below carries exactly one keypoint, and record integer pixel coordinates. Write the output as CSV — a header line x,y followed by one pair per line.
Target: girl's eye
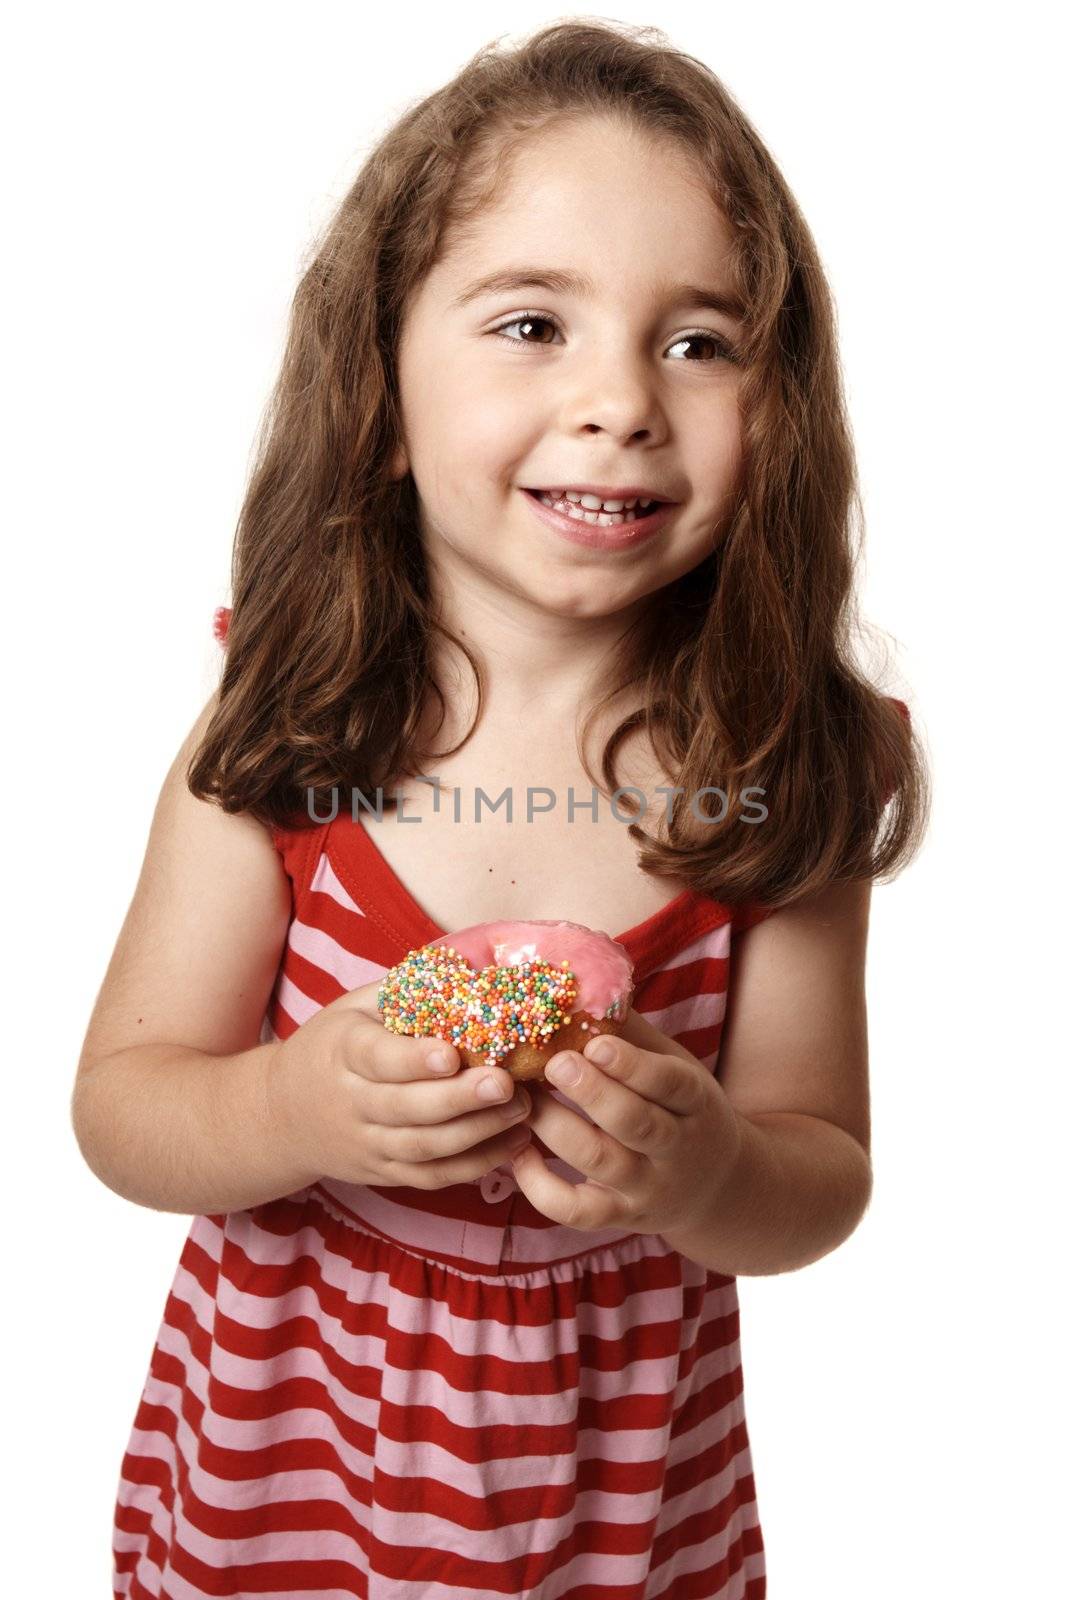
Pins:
x,y
724,349
527,319
723,346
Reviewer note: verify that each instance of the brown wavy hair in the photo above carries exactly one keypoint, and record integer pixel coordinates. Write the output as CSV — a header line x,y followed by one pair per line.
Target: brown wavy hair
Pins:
x,y
744,666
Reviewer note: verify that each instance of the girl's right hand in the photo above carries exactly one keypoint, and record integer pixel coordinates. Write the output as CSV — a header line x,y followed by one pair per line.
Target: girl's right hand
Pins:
x,y
349,1100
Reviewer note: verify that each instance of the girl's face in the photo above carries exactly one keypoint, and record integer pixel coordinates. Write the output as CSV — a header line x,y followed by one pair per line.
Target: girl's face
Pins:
x,y
622,380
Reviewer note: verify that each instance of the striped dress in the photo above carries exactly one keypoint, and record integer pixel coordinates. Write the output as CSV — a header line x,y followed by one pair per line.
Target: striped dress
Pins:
x,y
404,1394
407,1394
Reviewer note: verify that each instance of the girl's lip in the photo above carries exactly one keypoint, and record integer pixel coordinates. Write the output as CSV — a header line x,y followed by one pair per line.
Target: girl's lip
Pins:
x,y
623,536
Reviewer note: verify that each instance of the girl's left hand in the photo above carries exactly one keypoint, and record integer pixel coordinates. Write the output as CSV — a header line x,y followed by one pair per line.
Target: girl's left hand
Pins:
x,y
663,1136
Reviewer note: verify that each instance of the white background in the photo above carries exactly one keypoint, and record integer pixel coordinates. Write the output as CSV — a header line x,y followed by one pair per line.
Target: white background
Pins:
x,y
167,169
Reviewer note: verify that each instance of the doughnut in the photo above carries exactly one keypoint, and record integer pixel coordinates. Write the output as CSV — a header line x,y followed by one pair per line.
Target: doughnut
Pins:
x,y
510,994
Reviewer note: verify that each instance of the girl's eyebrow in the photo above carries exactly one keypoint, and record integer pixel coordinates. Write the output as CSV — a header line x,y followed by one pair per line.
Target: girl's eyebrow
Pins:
x,y
561,281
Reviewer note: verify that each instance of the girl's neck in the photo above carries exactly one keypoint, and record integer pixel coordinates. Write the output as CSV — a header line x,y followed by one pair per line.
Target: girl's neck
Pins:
x,y
538,667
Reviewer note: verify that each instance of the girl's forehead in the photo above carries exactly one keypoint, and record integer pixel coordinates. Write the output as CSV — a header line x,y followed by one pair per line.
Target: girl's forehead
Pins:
x,y
590,209
602,167
653,202
579,228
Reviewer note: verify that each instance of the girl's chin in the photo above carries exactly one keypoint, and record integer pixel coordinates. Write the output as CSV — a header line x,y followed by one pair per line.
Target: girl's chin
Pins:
x,y
552,574
578,597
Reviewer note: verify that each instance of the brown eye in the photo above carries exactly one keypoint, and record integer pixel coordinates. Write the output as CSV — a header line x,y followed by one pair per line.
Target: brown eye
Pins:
x,y
723,350
523,322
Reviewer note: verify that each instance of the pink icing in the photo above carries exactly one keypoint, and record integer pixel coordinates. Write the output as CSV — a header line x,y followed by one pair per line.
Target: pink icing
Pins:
x,y
601,965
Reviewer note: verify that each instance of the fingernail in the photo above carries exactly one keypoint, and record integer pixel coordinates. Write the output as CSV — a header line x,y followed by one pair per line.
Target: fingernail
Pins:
x,y
491,1089
601,1052
567,1069
441,1060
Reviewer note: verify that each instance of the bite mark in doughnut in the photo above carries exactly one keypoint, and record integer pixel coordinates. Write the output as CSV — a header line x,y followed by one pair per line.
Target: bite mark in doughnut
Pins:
x,y
511,994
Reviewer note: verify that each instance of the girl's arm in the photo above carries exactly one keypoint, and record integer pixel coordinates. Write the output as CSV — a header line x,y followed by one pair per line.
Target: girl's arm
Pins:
x,y
168,1105
793,1064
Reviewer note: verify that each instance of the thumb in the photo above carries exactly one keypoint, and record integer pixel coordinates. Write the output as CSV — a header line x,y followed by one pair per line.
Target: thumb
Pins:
x,y
637,1030
363,999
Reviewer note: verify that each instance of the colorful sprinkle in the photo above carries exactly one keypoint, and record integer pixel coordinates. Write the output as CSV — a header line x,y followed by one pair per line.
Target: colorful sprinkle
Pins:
x,y
435,991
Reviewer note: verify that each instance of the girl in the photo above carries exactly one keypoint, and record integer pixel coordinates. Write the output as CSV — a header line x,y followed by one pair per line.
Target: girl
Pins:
x,y
399,1358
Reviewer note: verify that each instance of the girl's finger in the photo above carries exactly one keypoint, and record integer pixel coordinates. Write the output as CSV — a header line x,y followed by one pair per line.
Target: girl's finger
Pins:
x,y
610,1108
587,1206
673,1083
363,999
640,1032
590,1143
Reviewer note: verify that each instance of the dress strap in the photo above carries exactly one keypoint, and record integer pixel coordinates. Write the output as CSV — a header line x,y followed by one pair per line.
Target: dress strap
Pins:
x,y
905,712
221,624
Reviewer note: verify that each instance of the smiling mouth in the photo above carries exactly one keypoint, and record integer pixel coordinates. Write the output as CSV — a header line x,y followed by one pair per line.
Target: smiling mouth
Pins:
x,y
595,519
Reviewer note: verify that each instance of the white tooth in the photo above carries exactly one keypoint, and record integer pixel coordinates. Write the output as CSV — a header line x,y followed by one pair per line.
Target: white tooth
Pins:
x,y
590,502
645,502
606,518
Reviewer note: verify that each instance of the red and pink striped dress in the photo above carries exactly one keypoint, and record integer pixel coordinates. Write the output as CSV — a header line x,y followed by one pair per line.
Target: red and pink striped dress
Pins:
x,y
402,1394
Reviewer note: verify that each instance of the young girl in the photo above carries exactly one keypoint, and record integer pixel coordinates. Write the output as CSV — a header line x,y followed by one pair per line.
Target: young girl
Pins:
x,y
398,1358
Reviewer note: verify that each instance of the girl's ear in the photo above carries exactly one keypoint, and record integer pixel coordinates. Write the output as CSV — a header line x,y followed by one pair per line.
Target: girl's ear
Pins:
x,y
398,464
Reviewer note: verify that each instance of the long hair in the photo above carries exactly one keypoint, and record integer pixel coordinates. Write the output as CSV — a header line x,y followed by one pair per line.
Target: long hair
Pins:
x,y
745,666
